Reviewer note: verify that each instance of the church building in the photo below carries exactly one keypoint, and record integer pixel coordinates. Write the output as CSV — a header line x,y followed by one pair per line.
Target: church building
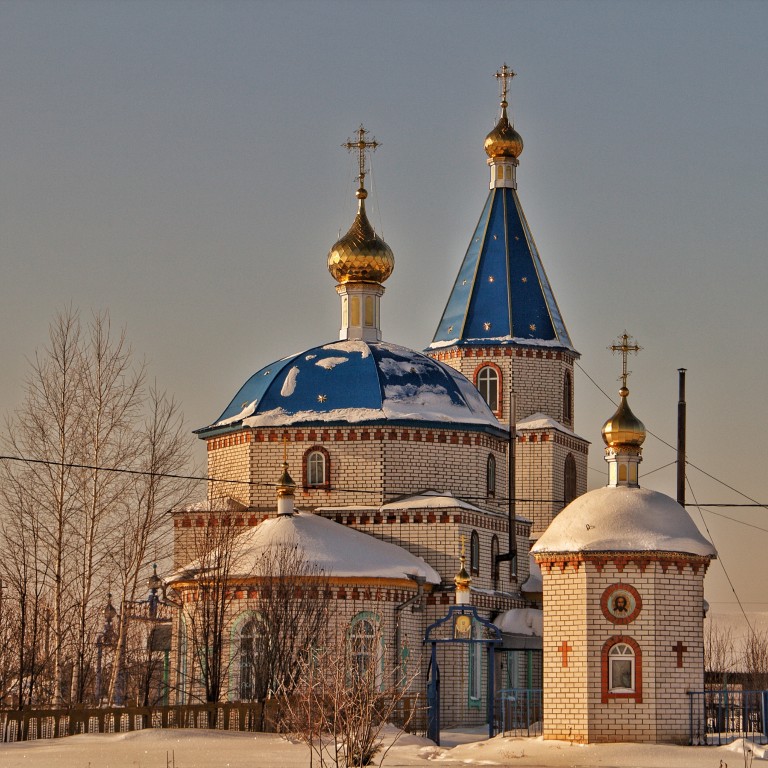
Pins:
x,y
391,458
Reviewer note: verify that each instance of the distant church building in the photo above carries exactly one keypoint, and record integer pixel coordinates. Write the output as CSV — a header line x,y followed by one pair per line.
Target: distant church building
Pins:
x,y
399,455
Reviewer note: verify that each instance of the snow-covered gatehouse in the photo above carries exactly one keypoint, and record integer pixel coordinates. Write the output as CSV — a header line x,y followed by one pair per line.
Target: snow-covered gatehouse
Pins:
x,y
398,455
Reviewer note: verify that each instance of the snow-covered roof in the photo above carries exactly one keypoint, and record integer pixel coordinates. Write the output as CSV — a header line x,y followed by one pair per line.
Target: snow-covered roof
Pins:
x,y
337,550
356,382
431,499
534,582
425,500
220,504
542,421
521,621
623,519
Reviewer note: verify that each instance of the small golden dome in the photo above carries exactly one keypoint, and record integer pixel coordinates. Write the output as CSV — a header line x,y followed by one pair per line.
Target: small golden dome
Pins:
x,y
623,428
361,256
503,140
462,579
285,485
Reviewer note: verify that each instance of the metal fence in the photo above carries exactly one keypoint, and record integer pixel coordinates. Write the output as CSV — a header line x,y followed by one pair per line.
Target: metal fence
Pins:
x,y
519,711
721,716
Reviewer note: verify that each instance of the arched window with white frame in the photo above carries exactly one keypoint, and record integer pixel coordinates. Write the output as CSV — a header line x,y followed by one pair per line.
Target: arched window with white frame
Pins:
x,y
316,469
622,664
487,383
621,669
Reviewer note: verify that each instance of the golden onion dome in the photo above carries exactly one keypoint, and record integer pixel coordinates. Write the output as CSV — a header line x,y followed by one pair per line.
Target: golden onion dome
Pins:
x,y
503,140
462,579
361,256
286,484
623,428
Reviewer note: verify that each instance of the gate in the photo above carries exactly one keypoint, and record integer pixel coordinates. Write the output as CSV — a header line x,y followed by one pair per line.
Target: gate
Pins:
x,y
462,624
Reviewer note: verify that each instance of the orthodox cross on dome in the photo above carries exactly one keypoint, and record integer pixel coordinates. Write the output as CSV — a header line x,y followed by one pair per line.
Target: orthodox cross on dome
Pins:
x,y
565,649
361,145
504,75
679,649
625,345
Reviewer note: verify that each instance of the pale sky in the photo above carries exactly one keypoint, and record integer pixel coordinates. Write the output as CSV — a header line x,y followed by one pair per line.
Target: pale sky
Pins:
x,y
179,164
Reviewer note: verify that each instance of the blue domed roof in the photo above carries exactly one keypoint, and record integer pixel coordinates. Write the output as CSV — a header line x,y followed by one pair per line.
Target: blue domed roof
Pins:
x,y
356,382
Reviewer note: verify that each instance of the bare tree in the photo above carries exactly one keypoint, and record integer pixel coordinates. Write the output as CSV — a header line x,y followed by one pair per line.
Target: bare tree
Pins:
x,y
47,428
291,612
339,707
110,400
162,449
718,651
69,506
22,567
212,575
754,660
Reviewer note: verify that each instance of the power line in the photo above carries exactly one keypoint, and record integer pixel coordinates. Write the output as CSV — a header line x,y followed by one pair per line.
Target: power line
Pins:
x,y
722,564
669,445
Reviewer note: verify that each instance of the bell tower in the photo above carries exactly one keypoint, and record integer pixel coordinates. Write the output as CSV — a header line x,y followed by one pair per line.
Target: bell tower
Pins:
x,y
502,328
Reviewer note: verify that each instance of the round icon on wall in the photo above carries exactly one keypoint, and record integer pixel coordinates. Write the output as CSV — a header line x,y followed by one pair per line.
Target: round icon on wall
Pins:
x,y
621,603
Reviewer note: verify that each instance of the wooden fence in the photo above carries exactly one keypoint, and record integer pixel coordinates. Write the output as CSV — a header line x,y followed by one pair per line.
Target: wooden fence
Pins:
x,y
255,716
33,724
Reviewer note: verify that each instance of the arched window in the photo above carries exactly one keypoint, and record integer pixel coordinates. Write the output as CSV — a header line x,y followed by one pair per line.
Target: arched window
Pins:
x,y
569,479
474,554
317,468
622,669
490,476
567,398
364,647
495,561
487,383
248,642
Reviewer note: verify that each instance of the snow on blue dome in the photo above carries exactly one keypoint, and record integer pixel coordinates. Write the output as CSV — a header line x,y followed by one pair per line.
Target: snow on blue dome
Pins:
x,y
356,382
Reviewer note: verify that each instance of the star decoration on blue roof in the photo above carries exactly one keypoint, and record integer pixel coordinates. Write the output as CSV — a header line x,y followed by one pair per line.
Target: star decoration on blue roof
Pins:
x,y
502,288
322,398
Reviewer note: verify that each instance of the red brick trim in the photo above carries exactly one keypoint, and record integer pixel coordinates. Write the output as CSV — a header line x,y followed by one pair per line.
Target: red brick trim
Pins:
x,y
637,694
621,560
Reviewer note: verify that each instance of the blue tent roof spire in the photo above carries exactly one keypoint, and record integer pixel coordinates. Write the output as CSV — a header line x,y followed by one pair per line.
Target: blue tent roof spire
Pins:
x,y
502,294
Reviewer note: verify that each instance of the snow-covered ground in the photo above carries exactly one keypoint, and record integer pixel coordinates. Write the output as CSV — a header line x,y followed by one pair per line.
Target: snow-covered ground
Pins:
x,y
205,749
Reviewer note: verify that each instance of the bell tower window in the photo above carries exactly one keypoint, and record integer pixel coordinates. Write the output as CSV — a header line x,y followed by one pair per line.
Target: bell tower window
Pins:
x,y
569,479
490,476
474,554
488,383
567,398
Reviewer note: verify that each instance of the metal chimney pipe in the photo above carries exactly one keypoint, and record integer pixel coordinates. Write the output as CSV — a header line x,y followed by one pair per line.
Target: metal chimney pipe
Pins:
x,y
681,438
